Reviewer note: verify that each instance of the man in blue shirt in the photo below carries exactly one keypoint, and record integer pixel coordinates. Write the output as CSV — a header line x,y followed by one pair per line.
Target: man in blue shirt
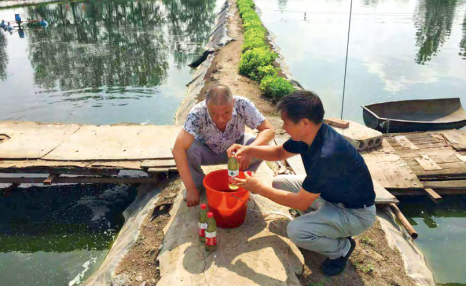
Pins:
x,y
338,185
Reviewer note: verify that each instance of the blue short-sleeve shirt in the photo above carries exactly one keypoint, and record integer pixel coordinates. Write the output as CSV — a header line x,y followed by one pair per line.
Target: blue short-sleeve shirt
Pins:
x,y
334,169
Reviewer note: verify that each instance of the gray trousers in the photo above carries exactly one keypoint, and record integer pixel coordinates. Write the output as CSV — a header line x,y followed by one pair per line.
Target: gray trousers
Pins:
x,y
325,230
200,155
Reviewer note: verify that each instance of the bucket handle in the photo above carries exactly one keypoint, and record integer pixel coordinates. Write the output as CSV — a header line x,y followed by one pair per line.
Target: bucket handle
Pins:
x,y
249,199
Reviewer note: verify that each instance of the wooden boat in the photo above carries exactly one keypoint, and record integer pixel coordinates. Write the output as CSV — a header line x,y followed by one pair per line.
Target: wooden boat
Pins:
x,y
415,115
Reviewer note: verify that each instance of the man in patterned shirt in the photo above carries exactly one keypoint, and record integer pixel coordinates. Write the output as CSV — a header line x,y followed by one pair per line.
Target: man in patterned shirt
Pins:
x,y
211,128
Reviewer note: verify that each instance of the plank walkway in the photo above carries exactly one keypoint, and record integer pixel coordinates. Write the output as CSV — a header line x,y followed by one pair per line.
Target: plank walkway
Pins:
x,y
418,163
85,150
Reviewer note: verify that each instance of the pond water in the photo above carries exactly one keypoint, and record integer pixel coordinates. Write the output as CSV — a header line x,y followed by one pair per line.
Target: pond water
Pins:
x,y
398,50
102,62
58,235
442,230
99,62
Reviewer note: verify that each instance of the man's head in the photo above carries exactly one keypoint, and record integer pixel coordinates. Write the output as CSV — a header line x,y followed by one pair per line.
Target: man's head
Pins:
x,y
302,113
220,102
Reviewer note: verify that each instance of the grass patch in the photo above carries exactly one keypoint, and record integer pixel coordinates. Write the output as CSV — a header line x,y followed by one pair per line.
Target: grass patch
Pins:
x,y
366,269
367,241
257,58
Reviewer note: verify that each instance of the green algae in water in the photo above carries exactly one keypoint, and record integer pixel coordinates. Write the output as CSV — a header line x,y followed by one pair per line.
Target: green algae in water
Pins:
x,y
61,234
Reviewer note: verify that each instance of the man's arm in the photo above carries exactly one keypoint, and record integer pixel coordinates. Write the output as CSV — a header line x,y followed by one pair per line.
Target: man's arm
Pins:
x,y
182,144
267,153
300,201
266,134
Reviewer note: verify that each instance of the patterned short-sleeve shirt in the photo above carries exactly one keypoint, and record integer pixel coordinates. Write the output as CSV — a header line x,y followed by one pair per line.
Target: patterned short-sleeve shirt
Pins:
x,y
200,125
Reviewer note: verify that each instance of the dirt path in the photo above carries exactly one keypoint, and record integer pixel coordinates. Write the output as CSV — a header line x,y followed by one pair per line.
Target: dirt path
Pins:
x,y
373,262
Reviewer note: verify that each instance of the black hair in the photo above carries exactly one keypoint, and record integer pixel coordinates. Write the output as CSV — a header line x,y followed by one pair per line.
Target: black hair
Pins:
x,y
302,104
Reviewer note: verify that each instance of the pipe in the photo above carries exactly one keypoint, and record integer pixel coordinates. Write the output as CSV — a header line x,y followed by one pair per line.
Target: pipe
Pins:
x,y
404,221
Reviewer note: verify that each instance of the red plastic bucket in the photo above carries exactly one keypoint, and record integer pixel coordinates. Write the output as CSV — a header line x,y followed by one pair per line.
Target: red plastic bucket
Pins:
x,y
229,207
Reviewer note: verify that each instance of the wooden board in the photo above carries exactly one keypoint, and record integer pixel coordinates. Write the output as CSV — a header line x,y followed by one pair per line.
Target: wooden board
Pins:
x,y
446,185
117,142
118,165
158,163
382,196
78,180
433,195
404,142
31,140
427,163
456,139
440,159
389,169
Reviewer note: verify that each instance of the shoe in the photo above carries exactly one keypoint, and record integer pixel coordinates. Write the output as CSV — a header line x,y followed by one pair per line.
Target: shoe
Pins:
x,y
332,267
328,260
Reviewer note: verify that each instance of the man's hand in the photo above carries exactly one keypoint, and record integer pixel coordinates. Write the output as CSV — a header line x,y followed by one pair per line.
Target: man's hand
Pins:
x,y
234,148
192,198
250,183
242,154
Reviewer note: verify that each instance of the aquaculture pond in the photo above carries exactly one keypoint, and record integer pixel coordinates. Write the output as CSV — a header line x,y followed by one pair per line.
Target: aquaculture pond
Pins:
x,y
97,62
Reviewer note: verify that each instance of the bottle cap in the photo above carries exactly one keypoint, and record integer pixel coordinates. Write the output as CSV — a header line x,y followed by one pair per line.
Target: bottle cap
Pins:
x,y
209,214
203,206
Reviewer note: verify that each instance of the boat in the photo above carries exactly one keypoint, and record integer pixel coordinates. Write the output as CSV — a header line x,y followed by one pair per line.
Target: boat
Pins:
x,y
415,115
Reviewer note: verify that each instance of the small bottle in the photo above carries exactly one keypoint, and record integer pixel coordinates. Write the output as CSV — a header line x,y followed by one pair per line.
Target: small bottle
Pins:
x,y
202,223
233,171
211,233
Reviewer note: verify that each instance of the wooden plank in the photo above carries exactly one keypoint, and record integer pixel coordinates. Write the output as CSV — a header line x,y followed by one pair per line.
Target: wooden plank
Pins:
x,y
50,179
461,157
427,163
117,142
31,140
433,195
400,193
337,122
118,165
405,143
158,170
158,163
390,170
79,180
456,139
440,174
450,184
382,196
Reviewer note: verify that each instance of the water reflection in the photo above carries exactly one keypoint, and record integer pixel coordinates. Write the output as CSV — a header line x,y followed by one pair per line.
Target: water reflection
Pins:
x,y
3,56
463,41
109,46
104,62
434,21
